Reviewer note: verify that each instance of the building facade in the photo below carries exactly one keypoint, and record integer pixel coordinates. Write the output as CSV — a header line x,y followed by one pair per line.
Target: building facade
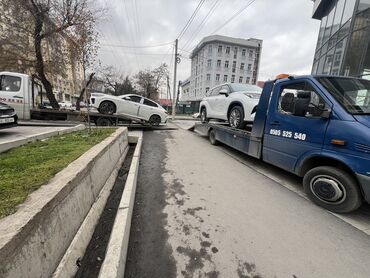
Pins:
x,y
220,59
17,53
343,45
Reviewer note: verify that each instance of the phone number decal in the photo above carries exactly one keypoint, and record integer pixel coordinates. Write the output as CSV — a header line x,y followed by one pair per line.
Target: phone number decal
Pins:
x,y
288,134
11,100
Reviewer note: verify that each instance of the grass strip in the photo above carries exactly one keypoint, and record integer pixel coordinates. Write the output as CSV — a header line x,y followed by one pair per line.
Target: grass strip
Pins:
x,y
26,168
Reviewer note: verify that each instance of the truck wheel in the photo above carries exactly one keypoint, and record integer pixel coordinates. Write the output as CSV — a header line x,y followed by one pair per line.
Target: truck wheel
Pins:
x,y
155,120
236,117
104,122
212,137
107,107
332,189
203,115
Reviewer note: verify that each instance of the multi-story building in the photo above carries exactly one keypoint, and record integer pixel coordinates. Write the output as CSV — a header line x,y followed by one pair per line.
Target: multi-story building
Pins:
x,y
343,45
220,59
62,66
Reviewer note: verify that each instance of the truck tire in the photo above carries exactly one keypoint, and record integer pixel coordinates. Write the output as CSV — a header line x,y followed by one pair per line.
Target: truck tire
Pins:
x,y
104,122
212,137
236,117
107,107
332,189
203,115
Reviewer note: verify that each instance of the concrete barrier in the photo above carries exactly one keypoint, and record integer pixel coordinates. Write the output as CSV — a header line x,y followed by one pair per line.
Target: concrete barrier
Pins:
x,y
40,136
35,238
115,257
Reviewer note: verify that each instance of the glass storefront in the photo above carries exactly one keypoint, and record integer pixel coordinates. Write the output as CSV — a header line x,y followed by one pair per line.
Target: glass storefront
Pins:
x,y
343,45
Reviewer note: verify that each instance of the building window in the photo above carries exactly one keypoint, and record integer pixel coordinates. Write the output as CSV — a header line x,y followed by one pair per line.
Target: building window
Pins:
x,y
234,66
227,49
219,50
207,89
217,77
250,53
225,78
243,52
227,64
208,77
242,66
241,79
249,66
218,63
232,78
235,52
209,63
210,49
247,80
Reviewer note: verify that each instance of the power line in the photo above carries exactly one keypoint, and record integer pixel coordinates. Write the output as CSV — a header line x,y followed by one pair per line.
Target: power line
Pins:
x,y
201,25
135,53
233,16
131,34
201,2
137,46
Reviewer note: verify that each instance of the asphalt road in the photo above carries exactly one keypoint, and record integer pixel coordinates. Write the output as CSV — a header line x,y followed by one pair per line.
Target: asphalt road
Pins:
x,y
205,211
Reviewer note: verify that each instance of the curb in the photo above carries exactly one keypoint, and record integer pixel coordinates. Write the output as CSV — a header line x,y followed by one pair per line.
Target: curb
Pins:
x,y
115,257
40,136
35,238
67,266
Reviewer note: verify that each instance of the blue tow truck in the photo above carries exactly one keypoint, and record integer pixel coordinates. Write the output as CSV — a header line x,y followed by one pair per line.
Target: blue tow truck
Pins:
x,y
317,127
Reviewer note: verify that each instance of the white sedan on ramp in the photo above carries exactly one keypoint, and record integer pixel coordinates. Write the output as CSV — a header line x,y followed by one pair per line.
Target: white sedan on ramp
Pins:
x,y
132,106
232,102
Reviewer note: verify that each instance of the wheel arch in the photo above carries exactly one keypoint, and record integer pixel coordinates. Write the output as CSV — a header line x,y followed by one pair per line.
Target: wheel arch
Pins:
x,y
319,160
233,104
156,114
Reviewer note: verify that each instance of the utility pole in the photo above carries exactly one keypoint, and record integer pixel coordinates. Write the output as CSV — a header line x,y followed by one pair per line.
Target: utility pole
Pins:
x,y
174,82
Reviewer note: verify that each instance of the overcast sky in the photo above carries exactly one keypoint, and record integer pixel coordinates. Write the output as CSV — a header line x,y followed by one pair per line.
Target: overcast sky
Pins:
x,y
288,32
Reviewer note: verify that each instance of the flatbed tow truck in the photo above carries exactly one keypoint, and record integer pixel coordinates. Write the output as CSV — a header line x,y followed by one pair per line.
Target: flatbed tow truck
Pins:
x,y
22,93
317,127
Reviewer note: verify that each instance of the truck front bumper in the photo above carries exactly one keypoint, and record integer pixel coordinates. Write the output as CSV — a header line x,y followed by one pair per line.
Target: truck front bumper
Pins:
x,y
364,182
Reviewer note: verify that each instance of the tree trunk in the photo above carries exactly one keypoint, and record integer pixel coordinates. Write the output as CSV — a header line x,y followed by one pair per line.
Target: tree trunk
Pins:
x,y
78,107
40,68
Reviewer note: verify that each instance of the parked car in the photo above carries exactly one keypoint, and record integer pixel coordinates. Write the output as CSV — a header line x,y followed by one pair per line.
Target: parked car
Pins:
x,y
8,116
130,105
45,105
66,105
232,102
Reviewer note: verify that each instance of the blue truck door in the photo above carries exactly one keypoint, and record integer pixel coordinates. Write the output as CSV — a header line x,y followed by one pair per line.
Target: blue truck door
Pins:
x,y
294,124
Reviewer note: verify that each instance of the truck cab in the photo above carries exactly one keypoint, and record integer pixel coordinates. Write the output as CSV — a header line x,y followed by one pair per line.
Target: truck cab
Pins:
x,y
317,127
18,91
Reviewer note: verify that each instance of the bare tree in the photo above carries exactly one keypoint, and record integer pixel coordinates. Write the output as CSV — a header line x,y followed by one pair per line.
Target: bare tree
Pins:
x,y
151,80
51,18
87,45
113,80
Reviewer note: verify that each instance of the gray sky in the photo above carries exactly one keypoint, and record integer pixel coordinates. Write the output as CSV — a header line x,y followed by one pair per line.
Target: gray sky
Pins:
x,y
288,32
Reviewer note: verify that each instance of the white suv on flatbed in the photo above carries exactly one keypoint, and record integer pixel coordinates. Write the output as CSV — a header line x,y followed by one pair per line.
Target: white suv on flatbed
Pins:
x,y
232,102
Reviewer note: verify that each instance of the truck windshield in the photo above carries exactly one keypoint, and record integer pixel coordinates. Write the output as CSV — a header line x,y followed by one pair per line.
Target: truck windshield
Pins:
x,y
10,83
353,94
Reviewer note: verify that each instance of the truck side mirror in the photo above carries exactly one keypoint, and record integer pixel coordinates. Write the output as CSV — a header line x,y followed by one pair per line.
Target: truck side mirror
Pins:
x,y
326,113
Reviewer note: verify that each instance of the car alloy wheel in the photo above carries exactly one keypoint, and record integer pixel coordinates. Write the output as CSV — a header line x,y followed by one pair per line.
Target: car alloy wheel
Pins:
x,y
235,117
106,108
154,120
